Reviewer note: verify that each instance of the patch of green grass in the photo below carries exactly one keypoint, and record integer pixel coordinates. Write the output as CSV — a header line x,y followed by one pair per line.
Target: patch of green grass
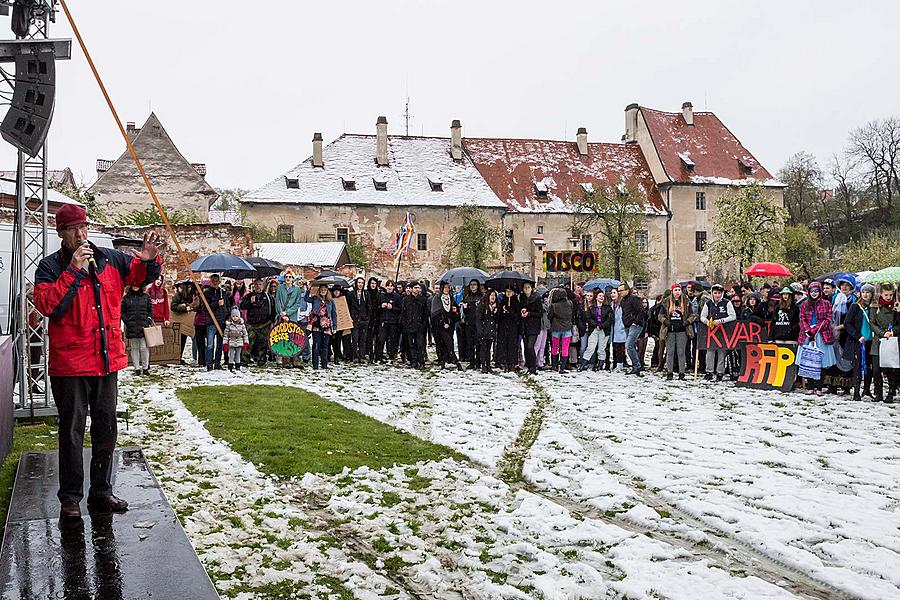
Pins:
x,y
289,431
31,437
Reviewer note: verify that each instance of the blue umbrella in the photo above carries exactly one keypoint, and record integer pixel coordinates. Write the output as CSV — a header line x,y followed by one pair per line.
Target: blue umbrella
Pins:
x,y
604,283
848,277
221,263
461,276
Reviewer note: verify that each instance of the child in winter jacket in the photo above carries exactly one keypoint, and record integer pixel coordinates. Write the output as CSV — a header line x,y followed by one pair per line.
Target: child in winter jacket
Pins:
x,y
235,339
137,313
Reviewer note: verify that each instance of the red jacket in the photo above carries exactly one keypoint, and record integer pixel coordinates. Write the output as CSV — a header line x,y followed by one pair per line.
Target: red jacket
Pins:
x,y
159,300
85,310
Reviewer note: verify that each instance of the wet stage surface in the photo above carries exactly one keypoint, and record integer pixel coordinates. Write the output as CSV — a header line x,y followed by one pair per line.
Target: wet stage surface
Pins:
x,y
102,556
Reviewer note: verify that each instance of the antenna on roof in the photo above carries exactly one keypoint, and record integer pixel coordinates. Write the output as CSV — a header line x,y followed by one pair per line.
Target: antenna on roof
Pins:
x,y
406,115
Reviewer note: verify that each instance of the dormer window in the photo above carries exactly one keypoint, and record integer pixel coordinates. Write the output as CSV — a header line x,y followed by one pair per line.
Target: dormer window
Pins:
x,y
686,161
292,183
348,184
540,189
587,188
436,184
746,169
380,183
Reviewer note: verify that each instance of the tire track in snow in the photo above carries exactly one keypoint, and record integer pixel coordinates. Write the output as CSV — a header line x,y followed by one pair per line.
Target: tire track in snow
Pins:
x,y
512,461
726,550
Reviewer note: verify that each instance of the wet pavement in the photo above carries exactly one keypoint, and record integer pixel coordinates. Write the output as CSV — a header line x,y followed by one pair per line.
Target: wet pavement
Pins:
x,y
143,553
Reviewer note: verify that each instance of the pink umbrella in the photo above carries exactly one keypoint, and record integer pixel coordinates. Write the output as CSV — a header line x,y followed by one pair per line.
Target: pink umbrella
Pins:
x,y
768,269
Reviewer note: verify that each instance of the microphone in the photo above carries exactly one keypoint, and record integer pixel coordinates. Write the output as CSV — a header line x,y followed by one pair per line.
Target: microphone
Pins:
x,y
91,262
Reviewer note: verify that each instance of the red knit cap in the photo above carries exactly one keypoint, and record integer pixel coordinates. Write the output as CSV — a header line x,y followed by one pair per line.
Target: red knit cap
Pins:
x,y
70,214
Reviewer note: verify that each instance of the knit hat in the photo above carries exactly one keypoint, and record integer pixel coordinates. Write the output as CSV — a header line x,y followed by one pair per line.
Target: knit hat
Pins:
x,y
797,287
235,312
717,287
70,214
868,287
773,294
815,285
674,285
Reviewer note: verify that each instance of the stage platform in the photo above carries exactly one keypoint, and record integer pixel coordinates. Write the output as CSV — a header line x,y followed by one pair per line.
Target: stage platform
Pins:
x,y
112,556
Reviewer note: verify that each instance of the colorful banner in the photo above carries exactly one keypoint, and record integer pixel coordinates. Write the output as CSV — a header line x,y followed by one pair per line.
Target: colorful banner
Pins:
x,y
287,339
564,261
768,366
729,335
403,238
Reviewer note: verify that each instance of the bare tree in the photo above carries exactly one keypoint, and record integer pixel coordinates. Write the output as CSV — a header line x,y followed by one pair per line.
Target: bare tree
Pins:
x,y
876,148
803,178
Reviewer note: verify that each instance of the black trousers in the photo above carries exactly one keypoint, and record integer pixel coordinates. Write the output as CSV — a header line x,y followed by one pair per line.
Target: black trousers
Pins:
x,y
508,341
858,377
484,350
358,340
387,335
75,396
472,345
200,342
416,348
530,356
372,337
443,340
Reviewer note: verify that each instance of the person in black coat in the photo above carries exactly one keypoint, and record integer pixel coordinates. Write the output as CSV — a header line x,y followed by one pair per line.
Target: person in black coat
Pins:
x,y
388,303
486,321
785,323
360,306
260,307
444,317
220,303
137,313
414,322
634,319
858,346
470,302
532,312
373,287
508,331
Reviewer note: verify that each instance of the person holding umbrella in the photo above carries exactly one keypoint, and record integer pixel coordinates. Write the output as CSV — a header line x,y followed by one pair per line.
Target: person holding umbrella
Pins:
x,y
508,330
219,303
444,317
486,322
470,302
322,324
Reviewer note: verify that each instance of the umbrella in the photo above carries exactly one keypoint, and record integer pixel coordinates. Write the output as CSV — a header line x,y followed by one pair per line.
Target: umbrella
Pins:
x,y
328,274
462,276
689,282
888,275
848,277
541,291
504,279
265,267
825,276
604,283
768,269
334,279
223,263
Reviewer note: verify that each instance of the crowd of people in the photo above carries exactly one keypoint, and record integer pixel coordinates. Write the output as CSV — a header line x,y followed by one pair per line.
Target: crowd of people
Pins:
x,y
561,329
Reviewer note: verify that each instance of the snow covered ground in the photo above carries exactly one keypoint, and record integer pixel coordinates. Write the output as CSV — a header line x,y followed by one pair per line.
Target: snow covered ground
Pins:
x,y
577,486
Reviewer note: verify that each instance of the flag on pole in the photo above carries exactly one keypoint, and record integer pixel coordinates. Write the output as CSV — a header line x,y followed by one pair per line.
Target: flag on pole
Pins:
x,y
404,236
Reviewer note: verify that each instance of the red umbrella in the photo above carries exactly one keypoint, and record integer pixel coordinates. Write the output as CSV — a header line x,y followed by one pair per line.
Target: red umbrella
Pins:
x,y
768,269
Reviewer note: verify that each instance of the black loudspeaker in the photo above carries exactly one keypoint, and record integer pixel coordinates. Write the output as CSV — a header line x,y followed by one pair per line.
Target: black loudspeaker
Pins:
x,y
28,121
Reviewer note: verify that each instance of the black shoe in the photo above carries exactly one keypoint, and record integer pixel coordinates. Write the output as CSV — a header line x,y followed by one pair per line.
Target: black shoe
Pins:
x,y
719,377
670,376
681,377
107,504
708,377
69,511
856,397
890,399
230,367
635,372
209,367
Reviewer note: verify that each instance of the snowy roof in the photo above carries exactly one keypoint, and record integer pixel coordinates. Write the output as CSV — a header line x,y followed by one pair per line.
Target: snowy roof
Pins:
x,y
519,170
412,162
300,254
705,152
8,188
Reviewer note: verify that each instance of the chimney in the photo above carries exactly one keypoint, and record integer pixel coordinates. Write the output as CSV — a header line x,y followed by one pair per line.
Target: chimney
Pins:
x,y
631,113
456,140
687,111
131,130
381,145
581,140
317,150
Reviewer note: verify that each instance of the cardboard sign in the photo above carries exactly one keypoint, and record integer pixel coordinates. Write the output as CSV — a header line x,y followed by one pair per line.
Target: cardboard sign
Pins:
x,y
185,322
730,335
344,320
768,366
564,261
169,353
287,339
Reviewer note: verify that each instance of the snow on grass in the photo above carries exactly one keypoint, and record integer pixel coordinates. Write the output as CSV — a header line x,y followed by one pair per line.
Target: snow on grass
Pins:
x,y
812,482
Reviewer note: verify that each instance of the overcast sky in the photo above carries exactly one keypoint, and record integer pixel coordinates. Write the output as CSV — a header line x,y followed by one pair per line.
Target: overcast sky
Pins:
x,y
243,90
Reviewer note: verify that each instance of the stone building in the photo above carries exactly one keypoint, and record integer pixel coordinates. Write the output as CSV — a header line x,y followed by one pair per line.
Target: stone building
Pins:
x,y
360,187
179,184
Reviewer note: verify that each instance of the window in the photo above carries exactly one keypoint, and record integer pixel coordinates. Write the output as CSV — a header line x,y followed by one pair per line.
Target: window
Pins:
x,y
540,189
508,245
642,240
380,184
292,183
327,237
700,241
349,184
745,166
700,201
686,161
343,234
422,242
540,230
436,184
586,242
641,284
285,234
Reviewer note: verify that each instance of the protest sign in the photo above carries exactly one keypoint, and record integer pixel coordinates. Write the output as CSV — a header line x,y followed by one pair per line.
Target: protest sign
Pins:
x,y
564,261
287,339
768,366
728,336
344,320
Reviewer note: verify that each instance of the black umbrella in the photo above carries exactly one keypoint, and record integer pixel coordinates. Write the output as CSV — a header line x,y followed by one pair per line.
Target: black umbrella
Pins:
x,y
831,275
222,263
338,280
505,279
325,274
461,276
265,267
688,283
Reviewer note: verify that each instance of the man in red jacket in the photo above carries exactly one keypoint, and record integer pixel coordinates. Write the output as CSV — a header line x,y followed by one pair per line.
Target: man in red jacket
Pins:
x,y
79,288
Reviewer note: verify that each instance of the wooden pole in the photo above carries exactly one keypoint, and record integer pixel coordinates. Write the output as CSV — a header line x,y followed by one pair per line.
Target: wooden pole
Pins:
x,y
137,161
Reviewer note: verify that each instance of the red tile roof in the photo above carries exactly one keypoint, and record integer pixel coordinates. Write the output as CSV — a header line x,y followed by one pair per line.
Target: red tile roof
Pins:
x,y
713,149
514,167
